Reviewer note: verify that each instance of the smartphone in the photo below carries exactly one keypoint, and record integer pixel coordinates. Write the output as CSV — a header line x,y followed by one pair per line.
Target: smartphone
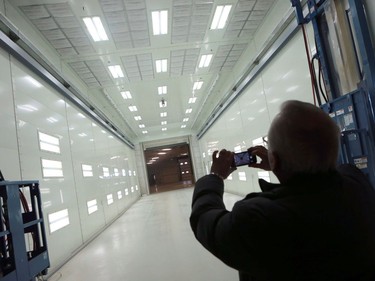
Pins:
x,y
244,158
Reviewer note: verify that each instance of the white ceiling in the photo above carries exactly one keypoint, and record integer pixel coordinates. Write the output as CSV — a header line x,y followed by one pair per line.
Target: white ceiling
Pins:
x,y
135,48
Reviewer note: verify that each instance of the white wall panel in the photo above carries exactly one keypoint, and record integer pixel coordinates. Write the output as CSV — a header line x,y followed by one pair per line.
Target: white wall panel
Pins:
x,y
249,117
87,188
57,193
31,106
9,157
287,77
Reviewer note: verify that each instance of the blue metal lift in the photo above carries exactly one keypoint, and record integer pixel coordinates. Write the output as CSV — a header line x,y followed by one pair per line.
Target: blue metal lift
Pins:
x,y
23,245
352,110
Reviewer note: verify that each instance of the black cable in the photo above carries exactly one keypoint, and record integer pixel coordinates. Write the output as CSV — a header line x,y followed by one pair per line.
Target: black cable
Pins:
x,y
318,81
324,93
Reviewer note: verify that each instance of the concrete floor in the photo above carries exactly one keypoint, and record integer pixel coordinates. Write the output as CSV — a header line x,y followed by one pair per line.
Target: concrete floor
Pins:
x,y
152,241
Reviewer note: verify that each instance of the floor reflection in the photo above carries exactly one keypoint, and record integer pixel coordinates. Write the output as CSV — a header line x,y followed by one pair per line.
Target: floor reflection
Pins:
x,y
157,188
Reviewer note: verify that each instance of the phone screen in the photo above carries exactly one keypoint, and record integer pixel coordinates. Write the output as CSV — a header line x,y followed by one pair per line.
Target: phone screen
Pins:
x,y
244,158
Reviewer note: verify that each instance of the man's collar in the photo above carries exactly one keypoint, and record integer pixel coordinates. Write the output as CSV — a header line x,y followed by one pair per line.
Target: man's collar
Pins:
x,y
302,180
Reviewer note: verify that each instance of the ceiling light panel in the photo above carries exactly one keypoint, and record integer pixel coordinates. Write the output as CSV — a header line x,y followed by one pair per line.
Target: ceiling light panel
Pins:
x,y
162,90
133,108
161,65
116,71
192,100
197,85
205,60
159,22
126,95
221,16
95,28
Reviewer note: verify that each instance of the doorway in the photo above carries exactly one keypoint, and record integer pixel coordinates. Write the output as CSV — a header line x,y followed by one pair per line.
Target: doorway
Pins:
x,y
169,167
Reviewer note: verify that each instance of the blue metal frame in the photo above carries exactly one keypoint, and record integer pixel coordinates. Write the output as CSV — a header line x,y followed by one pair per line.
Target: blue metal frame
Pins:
x,y
20,263
353,112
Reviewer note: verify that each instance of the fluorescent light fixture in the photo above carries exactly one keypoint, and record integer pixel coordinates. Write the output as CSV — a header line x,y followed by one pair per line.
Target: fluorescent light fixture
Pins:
x,y
160,22
52,169
189,110
221,16
163,103
185,120
197,85
87,171
163,129
163,114
126,95
142,126
162,90
109,199
82,135
137,118
192,100
96,29
92,206
164,122
119,194
205,61
183,126
105,172
49,143
116,172
133,108
144,132
161,65
116,71
162,153
58,220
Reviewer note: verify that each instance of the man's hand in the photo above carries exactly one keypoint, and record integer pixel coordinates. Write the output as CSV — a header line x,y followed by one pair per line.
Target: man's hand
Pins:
x,y
223,165
262,153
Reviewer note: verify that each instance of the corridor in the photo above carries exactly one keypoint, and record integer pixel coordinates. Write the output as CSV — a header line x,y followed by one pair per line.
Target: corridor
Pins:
x,y
151,241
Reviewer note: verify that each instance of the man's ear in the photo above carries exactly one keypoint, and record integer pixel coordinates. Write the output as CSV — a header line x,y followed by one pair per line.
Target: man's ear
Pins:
x,y
274,161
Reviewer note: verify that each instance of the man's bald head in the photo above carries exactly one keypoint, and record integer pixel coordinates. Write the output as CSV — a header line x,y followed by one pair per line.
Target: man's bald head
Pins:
x,y
304,138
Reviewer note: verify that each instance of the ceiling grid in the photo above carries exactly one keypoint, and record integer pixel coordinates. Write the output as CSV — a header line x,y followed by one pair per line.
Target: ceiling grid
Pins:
x,y
133,47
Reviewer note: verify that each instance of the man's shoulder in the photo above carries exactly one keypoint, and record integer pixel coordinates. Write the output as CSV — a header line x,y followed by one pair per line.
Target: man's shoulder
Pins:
x,y
352,174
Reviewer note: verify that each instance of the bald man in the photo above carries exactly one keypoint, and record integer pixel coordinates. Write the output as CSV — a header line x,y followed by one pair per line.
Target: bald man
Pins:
x,y
318,223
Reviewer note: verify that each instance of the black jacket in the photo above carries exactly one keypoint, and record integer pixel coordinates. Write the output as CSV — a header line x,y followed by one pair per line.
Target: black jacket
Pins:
x,y
316,227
